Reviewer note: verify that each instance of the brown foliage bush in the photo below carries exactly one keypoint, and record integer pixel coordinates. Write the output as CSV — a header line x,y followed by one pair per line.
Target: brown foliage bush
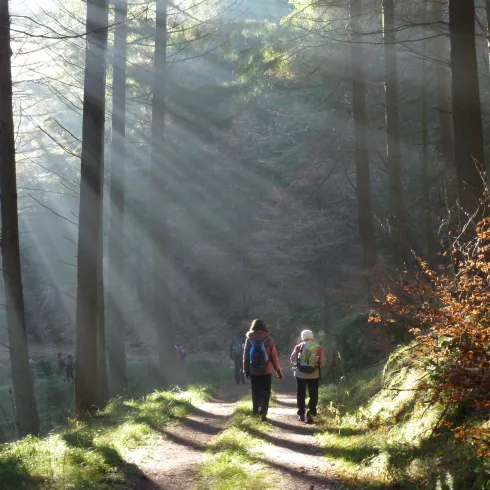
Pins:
x,y
448,312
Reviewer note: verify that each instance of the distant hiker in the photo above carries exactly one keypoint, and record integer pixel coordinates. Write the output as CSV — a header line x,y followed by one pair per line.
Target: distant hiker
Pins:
x,y
60,365
70,368
259,359
180,352
308,358
237,347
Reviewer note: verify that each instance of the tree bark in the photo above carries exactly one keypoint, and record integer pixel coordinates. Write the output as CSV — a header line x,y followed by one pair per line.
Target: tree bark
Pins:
x,y
86,376
487,11
23,385
427,227
467,118
363,174
115,317
103,388
398,218
443,77
161,300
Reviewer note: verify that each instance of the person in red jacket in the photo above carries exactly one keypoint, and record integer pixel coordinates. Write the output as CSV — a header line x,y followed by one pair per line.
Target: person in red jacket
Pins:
x,y
259,360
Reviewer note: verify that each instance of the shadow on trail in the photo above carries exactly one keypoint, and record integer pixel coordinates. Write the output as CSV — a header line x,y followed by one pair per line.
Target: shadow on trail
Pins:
x,y
305,477
204,414
283,403
199,426
304,430
182,441
196,426
294,446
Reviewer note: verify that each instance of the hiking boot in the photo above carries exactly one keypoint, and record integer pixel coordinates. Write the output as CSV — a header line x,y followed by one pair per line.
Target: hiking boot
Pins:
x,y
313,413
263,417
309,418
301,417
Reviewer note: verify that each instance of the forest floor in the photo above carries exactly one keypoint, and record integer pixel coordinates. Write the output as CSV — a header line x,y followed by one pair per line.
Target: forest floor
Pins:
x,y
288,449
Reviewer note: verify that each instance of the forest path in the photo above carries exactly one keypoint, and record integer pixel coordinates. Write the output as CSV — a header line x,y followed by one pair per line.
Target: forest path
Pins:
x,y
174,462
289,448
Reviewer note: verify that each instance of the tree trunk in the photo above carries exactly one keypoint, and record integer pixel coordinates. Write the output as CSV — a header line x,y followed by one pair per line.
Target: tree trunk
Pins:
x,y
161,300
467,118
443,77
86,377
487,11
24,400
103,394
115,317
427,228
363,175
326,313
398,219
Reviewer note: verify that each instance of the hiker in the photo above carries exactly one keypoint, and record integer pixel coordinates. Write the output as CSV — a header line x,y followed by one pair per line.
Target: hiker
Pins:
x,y
180,352
70,368
237,347
259,359
60,365
308,358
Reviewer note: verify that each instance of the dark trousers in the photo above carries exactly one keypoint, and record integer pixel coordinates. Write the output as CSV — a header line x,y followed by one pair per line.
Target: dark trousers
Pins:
x,y
312,385
239,374
261,392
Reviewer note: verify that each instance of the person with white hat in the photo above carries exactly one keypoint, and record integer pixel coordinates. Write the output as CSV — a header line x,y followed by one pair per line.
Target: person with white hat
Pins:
x,y
307,358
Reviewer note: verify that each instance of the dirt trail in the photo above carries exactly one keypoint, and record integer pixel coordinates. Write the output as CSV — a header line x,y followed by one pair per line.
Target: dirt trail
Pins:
x,y
175,461
290,449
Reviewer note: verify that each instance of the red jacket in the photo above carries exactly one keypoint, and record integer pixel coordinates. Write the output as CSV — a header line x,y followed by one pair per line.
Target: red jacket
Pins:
x,y
271,354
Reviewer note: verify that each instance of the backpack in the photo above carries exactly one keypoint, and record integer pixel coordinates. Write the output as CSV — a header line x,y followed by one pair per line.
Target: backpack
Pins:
x,y
307,358
258,355
237,347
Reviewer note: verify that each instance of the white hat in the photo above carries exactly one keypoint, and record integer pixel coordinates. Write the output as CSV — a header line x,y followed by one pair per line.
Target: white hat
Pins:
x,y
306,335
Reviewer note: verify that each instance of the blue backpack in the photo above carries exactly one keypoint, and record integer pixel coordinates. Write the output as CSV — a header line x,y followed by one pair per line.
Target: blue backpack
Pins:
x,y
258,355
237,348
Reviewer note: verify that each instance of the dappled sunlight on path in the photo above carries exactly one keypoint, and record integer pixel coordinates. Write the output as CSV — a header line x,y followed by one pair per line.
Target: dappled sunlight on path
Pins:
x,y
291,448
288,448
173,463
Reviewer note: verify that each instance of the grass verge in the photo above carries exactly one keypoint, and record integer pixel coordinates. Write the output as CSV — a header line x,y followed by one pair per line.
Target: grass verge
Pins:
x,y
54,395
231,462
93,454
385,438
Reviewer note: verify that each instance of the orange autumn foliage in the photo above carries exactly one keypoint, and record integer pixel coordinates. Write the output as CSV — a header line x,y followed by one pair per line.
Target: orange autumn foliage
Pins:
x,y
448,312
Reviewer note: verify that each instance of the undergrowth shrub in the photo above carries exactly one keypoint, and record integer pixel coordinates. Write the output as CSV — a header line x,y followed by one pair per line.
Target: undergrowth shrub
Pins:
x,y
447,310
379,432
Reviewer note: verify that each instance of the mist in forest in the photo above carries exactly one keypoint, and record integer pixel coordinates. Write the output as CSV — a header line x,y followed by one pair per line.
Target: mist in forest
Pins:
x,y
171,171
